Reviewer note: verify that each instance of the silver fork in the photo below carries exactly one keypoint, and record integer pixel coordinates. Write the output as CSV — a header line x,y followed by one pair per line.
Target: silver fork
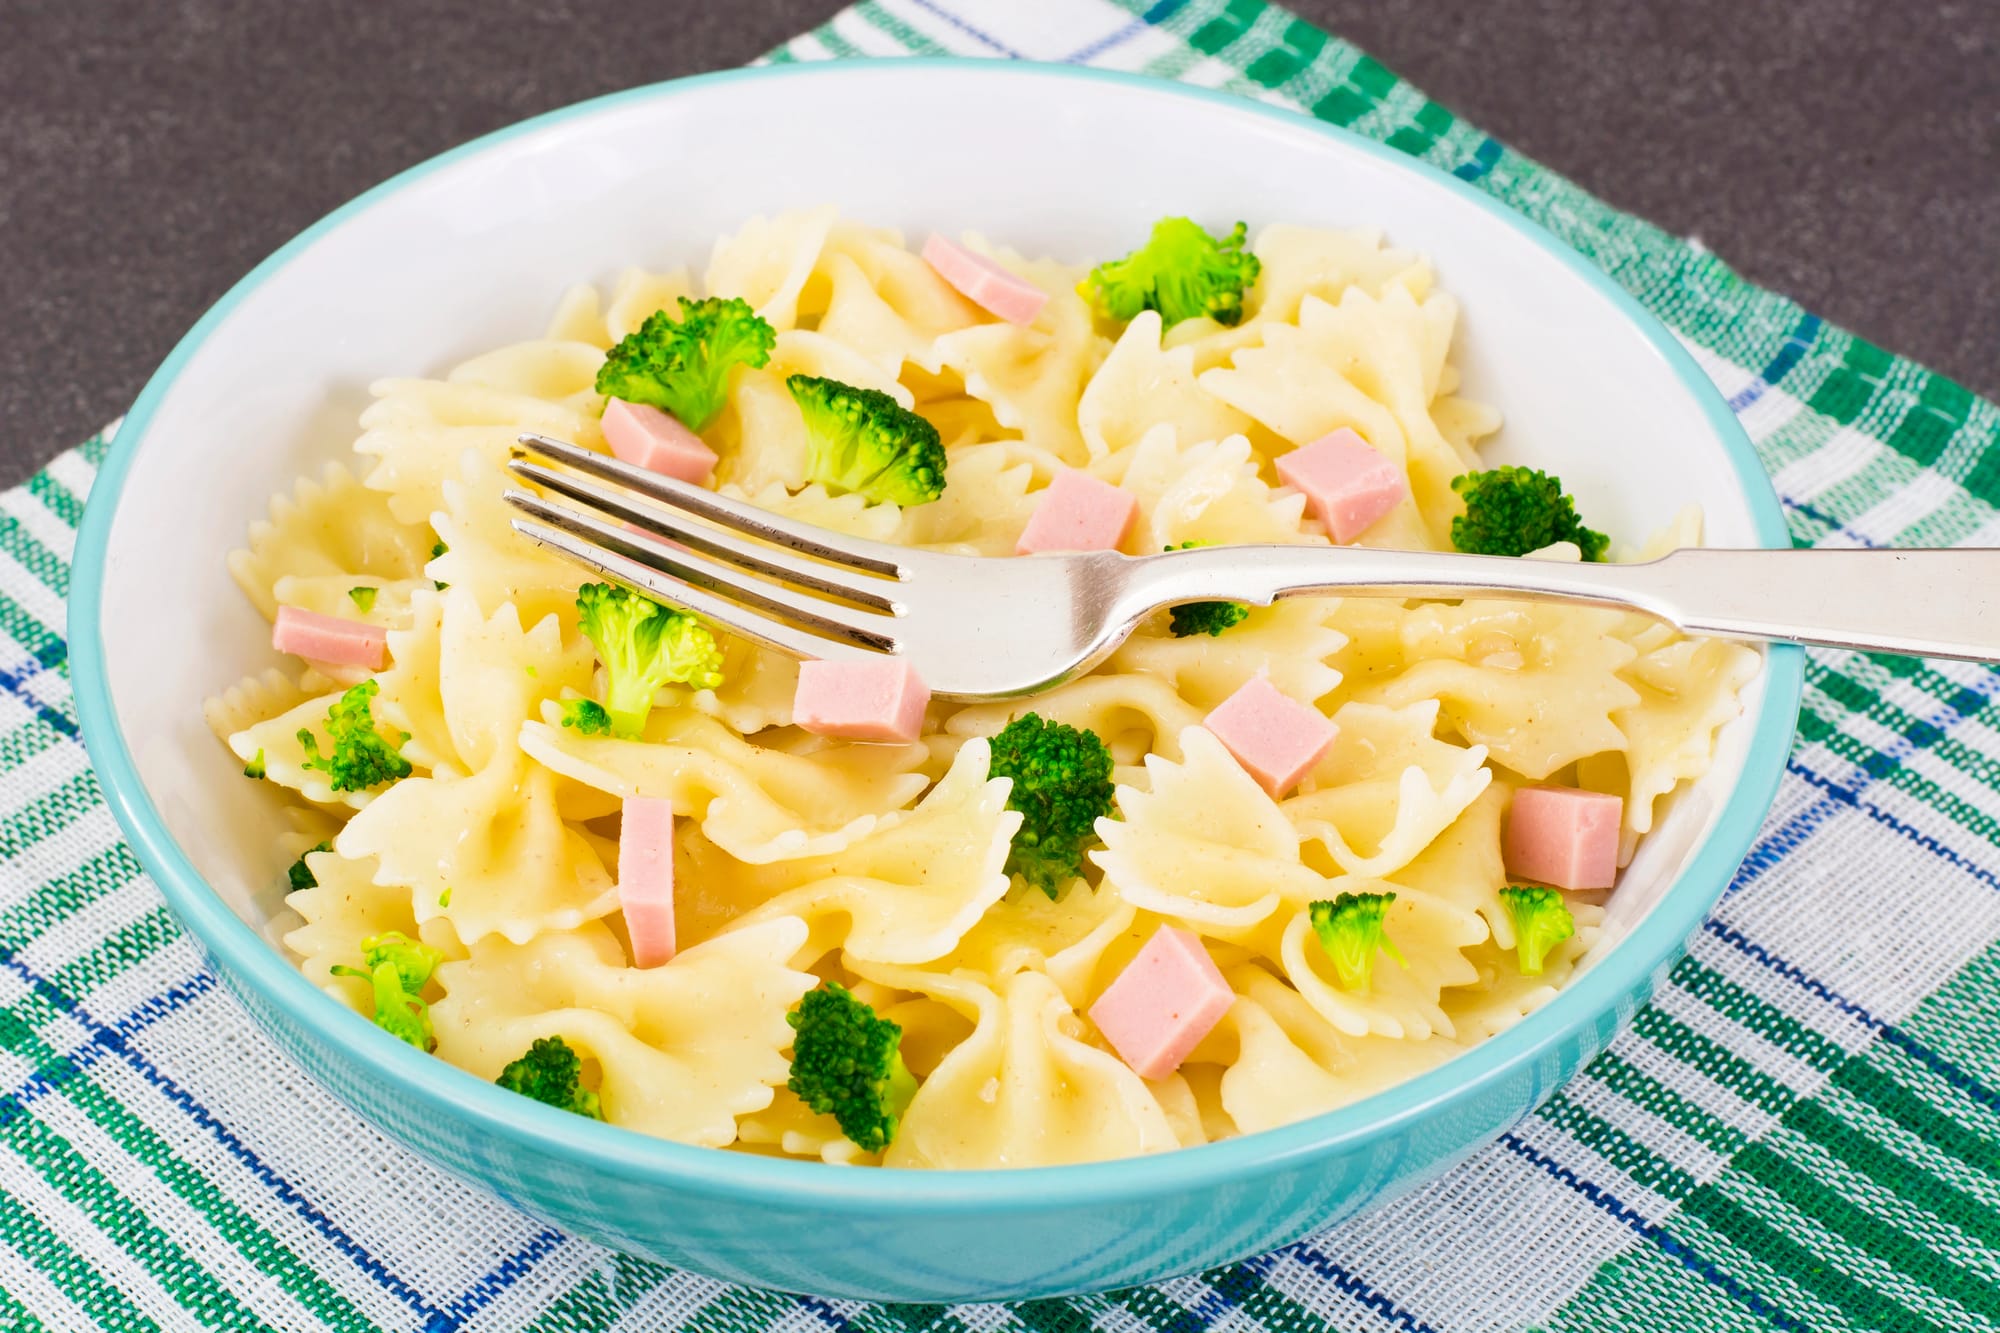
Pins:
x,y
979,628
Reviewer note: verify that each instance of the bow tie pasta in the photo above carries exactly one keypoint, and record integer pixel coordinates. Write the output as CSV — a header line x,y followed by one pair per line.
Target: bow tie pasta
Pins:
x,y
1263,862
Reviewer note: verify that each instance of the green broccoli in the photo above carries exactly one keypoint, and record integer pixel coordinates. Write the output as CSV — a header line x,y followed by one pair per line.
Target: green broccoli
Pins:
x,y
1350,929
1210,618
587,716
362,756
444,899
846,1061
683,365
1515,510
644,646
547,1072
300,874
1181,271
864,441
438,549
255,768
1541,922
363,597
1062,784
398,967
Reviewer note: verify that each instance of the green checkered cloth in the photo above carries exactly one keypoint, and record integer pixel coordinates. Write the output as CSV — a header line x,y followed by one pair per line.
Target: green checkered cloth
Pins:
x,y
1802,1132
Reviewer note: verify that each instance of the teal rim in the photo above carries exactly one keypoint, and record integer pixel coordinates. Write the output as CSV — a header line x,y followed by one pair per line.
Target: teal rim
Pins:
x,y
506,1118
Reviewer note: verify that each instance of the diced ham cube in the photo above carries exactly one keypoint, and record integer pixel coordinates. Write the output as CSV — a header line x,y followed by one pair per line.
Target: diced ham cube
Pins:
x,y
1276,738
646,878
330,639
649,438
1079,513
1348,484
882,699
1164,1002
1563,836
985,283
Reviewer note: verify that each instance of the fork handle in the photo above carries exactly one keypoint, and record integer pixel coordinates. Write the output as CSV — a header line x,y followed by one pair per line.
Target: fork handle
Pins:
x,y
1927,603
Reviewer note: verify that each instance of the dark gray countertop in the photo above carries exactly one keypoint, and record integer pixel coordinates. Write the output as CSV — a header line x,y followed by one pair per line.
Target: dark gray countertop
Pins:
x,y
1846,153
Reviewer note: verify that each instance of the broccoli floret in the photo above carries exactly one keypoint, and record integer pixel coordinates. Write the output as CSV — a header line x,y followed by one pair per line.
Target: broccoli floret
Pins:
x,y
1515,510
1181,271
846,1062
444,899
363,597
1210,618
547,1071
255,768
587,716
362,756
1062,785
644,646
438,549
300,874
1350,929
1541,922
683,365
398,968
864,441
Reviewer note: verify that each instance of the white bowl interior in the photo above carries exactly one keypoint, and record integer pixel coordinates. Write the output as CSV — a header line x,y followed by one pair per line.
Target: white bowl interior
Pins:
x,y
474,253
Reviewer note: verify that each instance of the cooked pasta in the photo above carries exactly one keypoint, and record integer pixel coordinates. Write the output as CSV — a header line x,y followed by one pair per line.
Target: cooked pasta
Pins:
x,y
801,860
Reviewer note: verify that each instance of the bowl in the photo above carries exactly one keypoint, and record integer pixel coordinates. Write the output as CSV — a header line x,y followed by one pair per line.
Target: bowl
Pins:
x,y
473,248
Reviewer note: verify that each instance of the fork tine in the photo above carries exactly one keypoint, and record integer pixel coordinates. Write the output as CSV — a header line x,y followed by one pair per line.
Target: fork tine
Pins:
x,y
699,584
854,552
758,557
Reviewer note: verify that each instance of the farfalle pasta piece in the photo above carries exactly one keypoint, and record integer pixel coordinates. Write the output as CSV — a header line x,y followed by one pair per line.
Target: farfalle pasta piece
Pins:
x,y
1536,684
579,317
1292,642
1206,846
329,525
486,557
1206,491
639,294
1288,1063
1033,378
985,505
759,805
1387,787
884,302
253,699
1132,713
1503,996
1688,689
1463,865
1401,1000
419,431
284,755
681,1049
767,261
344,908
849,514
1079,940
1141,383
908,890
1024,1089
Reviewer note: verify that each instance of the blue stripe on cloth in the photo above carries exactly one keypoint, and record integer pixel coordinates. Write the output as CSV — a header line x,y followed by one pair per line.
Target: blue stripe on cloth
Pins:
x,y
1105,43
1349,1282
15,682
1163,11
1852,797
1484,159
1789,355
509,1271
114,1042
955,21
73,1062
1667,1243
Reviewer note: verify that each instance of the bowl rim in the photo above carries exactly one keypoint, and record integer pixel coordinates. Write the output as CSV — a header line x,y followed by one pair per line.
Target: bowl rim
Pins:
x,y
508,1121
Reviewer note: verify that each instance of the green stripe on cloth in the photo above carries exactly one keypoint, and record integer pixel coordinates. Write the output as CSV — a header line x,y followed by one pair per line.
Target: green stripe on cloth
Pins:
x,y
1801,1133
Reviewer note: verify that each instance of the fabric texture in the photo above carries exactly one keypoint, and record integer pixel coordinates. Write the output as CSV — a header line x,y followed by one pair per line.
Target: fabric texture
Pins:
x,y
1801,1133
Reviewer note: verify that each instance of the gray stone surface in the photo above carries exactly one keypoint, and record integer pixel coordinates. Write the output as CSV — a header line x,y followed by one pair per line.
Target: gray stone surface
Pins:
x,y
1847,153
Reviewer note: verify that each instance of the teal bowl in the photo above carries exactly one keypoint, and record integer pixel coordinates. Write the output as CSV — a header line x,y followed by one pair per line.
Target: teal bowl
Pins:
x,y
472,249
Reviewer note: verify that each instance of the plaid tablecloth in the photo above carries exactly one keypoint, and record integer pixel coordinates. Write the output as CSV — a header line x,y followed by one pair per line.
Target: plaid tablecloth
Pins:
x,y
1803,1132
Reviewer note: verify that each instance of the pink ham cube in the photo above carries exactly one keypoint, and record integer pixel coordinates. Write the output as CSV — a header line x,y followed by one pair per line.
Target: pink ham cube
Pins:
x,y
1563,836
646,878
1079,513
647,437
881,699
984,283
1276,738
1163,1003
1348,484
330,639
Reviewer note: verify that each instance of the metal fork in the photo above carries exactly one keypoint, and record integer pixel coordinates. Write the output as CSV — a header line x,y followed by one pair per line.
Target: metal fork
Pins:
x,y
979,628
